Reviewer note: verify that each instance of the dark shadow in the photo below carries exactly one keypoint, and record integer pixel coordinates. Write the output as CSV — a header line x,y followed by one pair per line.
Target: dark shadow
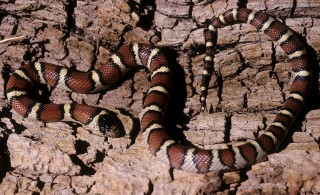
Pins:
x,y
40,184
85,170
5,73
99,157
242,3
6,113
40,93
4,156
178,96
313,101
135,126
81,146
314,98
146,14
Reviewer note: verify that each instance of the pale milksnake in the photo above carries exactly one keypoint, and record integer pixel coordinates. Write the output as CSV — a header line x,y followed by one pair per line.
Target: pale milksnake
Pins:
x,y
152,116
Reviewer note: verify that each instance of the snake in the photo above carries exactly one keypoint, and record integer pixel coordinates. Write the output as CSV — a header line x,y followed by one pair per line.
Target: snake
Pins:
x,y
152,116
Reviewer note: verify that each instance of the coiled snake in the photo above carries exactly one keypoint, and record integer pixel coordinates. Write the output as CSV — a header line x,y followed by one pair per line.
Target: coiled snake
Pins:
x,y
152,116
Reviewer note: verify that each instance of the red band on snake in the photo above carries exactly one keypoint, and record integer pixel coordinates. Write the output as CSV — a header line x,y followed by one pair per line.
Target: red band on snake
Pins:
x,y
152,116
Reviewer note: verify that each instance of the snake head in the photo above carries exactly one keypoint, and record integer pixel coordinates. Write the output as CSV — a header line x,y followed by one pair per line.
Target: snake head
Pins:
x,y
110,125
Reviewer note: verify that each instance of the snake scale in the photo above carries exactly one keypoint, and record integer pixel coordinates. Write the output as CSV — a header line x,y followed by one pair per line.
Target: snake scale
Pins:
x,y
152,116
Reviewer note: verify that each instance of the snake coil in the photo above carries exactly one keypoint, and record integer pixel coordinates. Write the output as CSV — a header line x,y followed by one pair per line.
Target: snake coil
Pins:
x,y
152,116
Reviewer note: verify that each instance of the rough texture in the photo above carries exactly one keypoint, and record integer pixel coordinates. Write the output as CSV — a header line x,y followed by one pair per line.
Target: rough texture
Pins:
x,y
68,159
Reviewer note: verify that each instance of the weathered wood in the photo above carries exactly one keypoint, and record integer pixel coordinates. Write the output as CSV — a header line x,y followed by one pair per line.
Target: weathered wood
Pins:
x,y
255,77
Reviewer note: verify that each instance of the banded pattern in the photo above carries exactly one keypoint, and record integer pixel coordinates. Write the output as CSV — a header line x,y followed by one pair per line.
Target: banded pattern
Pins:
x,y
106,121
152,116
255,151
232,158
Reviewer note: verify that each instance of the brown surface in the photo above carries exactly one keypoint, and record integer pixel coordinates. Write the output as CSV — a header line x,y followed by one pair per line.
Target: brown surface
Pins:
x,y
63,158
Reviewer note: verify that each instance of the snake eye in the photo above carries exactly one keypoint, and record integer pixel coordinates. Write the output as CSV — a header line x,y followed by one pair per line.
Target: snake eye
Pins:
x,y
110,125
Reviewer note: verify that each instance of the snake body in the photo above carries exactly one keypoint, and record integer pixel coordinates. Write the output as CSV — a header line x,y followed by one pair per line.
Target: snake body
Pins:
x,y
152,116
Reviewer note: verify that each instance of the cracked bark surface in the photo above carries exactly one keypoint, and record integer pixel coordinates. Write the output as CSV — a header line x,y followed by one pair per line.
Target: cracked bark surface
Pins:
x,y
255,77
